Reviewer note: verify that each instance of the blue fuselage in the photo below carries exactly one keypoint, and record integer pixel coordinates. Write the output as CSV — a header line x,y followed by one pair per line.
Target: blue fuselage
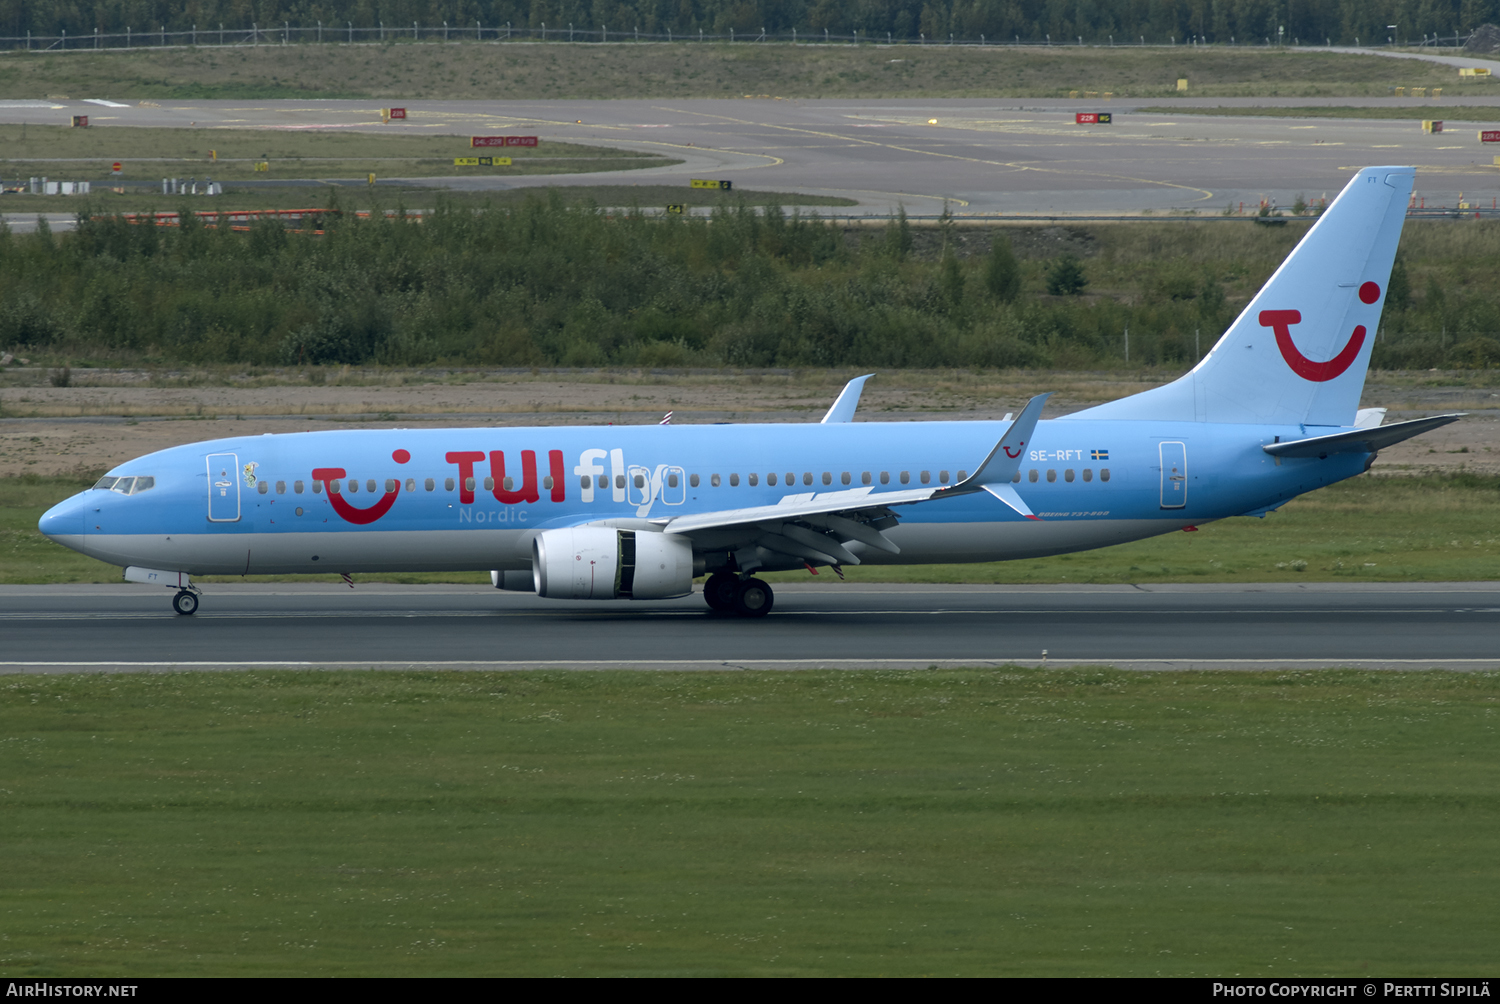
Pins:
x,y
455,499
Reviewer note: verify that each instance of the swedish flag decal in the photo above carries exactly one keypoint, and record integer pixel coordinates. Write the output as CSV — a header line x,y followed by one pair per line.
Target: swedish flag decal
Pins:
x,y
1100,454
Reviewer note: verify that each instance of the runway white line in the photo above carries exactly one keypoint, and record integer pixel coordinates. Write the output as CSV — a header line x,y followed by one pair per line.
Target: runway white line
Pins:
x,y
784,665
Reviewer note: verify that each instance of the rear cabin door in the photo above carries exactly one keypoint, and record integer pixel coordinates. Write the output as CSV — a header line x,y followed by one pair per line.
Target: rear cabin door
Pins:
x,y
223,488
1173,475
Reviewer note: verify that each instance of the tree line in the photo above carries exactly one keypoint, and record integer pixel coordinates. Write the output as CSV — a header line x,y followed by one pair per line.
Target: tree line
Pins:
x,y
553,284
1158,22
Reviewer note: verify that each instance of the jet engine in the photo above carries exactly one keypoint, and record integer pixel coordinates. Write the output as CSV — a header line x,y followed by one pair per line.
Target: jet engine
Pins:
x,y
603,563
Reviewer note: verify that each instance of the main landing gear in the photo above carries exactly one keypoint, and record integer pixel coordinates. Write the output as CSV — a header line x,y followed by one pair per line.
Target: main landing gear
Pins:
x,y
728,593
185,602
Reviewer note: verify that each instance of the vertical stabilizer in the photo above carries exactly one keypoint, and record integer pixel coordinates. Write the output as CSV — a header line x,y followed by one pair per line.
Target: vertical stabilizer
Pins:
x,y
1298,353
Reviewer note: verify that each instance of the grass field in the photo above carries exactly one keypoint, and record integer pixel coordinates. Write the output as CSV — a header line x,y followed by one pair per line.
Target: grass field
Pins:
x,y
1021,822
356,195
686,70
231,155
1392,529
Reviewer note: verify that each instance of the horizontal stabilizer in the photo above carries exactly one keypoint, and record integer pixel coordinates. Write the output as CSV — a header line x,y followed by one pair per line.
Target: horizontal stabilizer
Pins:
x,y
1360,440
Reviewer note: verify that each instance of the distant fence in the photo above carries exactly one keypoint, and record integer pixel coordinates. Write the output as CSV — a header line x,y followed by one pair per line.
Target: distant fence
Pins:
x,y
325,34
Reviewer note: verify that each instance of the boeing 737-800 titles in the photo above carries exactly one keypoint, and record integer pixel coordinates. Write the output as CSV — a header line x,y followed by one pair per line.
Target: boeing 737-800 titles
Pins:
x,y
637,512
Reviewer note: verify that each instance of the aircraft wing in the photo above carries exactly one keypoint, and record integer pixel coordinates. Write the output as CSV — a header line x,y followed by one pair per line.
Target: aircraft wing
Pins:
x,y
816,526
1369,440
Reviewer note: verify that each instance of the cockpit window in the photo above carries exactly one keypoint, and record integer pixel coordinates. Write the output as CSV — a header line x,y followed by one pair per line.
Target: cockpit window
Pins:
x,y
126,486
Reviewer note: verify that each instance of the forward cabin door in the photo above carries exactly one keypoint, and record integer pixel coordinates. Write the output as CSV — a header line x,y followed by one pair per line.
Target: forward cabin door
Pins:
x,y
1173,475
223,488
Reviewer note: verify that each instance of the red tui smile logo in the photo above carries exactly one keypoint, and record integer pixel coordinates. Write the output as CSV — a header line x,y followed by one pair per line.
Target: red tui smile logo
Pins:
x,y
1281,322
353,514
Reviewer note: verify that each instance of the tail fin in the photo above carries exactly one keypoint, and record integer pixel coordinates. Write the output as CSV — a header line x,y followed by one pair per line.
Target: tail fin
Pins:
x,y
1298,353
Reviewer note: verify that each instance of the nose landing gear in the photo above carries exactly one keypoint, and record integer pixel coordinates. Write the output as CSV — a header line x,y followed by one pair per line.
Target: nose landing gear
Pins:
x,y
727,593
185,602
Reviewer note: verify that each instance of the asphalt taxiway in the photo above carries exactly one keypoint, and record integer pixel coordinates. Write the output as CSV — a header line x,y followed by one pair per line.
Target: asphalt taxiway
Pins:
x,y
314,625
983,157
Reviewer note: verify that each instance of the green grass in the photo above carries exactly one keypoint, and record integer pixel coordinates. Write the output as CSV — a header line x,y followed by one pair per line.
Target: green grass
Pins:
x,y
1414,113
1014,822
354,196
148,155
1389,529
397,72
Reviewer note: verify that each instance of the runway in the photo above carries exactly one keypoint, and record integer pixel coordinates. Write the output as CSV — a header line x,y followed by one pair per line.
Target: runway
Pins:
x,y
306,625
1005,157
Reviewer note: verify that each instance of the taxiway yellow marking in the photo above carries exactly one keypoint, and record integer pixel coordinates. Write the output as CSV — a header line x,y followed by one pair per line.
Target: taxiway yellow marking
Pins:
x,y
1206,194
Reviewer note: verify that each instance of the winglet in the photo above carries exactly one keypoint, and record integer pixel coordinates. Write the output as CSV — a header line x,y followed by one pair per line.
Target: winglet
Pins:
x,y
1012,498
848,400
1005,459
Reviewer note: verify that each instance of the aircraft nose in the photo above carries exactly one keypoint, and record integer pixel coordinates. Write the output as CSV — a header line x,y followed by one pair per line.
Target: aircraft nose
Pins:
x,y
66,519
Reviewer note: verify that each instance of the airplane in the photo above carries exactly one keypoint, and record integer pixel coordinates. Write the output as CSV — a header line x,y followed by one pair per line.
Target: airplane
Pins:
x,y
638,512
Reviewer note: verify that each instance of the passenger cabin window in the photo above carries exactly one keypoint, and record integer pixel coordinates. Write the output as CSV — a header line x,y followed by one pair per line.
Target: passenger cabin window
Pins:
x,y
391,485
906,477
942,477
1031,475
771,479
827,478
281,488
333,486
671,480
489,484
354,485
297,486
603,481
885,477
1104,474
447,484
1068,475
619,481
754,480
411,484
640,480
1016,478
807,477
318,487
734,480
469,484
429,485
1088,474
864,477
509,484
713,479
926,477
586,482
1051,475
791,479
262,486
844,478
693,480
547,482
962,475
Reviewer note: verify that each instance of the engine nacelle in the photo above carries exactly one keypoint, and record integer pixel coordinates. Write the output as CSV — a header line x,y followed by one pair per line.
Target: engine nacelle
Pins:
x,y
602,563
517,581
